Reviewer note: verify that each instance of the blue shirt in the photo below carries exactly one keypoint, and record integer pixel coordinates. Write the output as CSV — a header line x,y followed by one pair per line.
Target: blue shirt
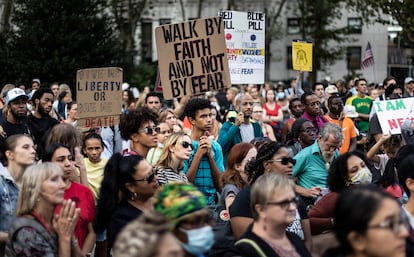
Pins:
x,y
203,179
310,167
9,193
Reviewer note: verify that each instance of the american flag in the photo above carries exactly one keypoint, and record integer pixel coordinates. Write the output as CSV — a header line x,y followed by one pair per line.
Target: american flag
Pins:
x,y
368,58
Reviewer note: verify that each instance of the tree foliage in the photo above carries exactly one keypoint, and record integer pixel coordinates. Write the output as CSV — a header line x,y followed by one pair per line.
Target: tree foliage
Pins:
x,y
53,39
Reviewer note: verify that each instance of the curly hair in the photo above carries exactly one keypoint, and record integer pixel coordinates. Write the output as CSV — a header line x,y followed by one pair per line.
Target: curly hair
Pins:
x,y
131,122
338,171
255,168
141,237
194,105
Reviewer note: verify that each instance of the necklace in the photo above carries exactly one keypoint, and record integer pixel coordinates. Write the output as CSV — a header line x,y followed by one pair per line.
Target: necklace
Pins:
x,y
282,251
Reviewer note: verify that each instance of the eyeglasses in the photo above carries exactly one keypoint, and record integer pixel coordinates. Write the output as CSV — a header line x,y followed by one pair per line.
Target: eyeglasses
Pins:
x,y
149,178
185,145
285,160
394,225
150,131
286,203
309,130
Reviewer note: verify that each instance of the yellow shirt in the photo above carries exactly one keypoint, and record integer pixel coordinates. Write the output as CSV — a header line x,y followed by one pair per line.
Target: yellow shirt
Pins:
x,y
95,173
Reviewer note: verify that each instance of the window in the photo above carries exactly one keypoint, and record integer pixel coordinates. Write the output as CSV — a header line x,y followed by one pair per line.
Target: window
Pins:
x,y
146,41
355,25
293,26
289,64
165,21
353,57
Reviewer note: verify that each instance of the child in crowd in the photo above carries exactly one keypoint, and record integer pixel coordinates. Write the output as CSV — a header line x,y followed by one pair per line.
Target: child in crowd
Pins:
x,y
390,145
93,147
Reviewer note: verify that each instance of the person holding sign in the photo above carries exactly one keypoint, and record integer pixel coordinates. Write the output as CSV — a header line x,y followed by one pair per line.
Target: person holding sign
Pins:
x,y
206,160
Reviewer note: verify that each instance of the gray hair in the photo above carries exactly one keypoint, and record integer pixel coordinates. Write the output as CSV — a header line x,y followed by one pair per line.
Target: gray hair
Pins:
x,y
330,129
263,188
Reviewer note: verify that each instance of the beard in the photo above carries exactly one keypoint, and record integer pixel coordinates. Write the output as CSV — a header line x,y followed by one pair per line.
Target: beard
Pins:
x,y
327,156
42,111
17,117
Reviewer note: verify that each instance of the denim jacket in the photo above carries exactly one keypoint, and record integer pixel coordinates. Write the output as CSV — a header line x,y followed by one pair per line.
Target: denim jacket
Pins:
x,y
9,193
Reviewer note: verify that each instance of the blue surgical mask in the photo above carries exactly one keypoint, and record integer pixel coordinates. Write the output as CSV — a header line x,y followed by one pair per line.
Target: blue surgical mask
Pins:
x,y
362,177
200,240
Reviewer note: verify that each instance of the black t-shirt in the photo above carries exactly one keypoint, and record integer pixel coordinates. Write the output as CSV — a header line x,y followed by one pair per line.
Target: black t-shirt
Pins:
x,y
15,129
40,129
123,214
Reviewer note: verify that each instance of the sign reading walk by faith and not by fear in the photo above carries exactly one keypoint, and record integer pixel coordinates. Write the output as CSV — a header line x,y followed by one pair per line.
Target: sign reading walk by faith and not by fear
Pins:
x,y
392,113
302,56
192,57
99,96
245,40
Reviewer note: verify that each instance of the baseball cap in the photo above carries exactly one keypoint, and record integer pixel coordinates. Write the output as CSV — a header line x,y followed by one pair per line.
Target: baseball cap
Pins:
x,y
14,94
331,90
408,80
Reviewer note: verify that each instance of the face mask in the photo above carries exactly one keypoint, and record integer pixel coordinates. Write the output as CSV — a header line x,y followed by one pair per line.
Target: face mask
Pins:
x,y
363,177
200,240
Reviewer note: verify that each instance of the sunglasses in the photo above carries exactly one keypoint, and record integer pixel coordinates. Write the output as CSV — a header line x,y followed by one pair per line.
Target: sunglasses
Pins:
x,y
185,145
149,178
285,160
150,131
286,203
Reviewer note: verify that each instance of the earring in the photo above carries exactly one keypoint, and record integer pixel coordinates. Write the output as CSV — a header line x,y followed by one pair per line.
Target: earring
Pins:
x,y
133,196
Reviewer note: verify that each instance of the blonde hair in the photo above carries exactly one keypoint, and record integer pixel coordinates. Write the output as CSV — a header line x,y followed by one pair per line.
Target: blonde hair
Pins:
x,y
166,159
263,188
32,181
162,114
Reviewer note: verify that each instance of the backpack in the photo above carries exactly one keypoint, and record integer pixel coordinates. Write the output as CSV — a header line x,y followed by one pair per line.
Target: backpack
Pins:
x,y
223,234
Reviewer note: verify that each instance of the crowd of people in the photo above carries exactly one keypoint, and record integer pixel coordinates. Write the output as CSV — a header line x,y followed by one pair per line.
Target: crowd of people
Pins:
x,y
254,170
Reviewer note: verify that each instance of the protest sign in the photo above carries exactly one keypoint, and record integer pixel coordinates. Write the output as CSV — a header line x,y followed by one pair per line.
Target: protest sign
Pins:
x,y
245,41
302,56
99,96
392,113
192,57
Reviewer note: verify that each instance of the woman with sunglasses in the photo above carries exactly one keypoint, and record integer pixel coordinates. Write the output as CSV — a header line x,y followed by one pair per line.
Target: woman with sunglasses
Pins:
x,y
272,157
274,207
303,135
80,194
368,223
127,188
155,152
177,149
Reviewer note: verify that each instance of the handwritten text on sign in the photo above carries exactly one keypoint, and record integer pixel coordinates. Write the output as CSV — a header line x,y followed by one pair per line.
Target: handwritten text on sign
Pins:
x,y
245,41
392,113
99,94
192,57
